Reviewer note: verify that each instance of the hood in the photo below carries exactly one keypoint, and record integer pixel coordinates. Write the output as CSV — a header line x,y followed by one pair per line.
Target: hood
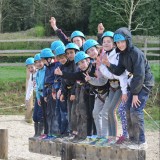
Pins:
x,y
127,34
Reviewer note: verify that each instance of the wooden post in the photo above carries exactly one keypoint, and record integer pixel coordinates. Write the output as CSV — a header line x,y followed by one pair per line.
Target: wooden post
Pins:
x,y
3,143
28,114
145,47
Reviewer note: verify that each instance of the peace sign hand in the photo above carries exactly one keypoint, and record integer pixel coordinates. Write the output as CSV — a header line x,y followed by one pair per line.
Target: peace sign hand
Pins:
x,y
58,71
87,77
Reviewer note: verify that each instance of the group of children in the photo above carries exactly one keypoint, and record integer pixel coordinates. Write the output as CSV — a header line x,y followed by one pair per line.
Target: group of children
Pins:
x,y
79,85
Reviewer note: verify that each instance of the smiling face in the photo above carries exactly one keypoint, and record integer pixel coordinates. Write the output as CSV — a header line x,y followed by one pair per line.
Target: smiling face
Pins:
x,y
92,52
122,45
39,64
83,64
62,59
108,43
78,41
31,68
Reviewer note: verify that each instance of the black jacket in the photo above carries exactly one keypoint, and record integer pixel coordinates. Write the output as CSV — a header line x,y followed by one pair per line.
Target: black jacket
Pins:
x,y
134,61
70,67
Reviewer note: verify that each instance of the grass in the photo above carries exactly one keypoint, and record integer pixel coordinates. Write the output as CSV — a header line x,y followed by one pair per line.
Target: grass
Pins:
x,y
12,89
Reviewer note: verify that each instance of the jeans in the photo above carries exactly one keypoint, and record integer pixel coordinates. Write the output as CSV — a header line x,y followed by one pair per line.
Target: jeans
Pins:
x,y
37,113
52,122
109,113
135,117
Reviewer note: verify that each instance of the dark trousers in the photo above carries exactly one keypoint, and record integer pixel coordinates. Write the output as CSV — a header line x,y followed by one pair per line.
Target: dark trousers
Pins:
x,y
91,128
44,108
37,112
52,121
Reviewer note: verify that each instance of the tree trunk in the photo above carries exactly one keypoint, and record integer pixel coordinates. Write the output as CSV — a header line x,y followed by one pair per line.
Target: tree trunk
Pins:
x,y
130,15
1,1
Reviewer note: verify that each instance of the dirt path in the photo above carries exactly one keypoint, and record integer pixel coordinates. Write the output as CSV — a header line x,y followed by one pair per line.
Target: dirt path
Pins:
x,y
20,131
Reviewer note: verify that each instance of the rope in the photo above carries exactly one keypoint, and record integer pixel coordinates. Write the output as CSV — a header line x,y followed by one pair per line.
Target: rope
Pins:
x,y
22,105
151,118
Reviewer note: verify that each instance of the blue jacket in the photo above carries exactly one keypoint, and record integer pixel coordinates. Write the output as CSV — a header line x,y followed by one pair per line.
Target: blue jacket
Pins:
x,y
49,80
40,82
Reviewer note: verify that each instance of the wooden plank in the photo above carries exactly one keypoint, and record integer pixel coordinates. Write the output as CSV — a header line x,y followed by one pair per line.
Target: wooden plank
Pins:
x,y
19,51
28,40
151,49
3,143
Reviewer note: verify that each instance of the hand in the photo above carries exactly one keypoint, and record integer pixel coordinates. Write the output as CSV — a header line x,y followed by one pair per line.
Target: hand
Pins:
x,y
105,61
58,71
87,77
53,23
98,62
58,93
62,98
124,98
100,28
39,102
54,95
135,101
45,99
72,97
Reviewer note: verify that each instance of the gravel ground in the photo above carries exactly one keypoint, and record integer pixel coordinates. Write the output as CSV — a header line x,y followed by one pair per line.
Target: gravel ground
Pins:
x,y
20,131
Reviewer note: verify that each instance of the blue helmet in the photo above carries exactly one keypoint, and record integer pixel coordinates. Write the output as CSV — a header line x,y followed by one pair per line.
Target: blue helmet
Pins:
x,y
81,55
56,44
77,34
46,53
89,43
60,50
29,61
72,46
118,37
37,57
107,34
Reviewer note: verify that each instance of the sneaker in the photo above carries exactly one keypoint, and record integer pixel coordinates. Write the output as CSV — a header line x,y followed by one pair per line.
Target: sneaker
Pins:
x,y
49,138
121,140
42,136
88,140
142,146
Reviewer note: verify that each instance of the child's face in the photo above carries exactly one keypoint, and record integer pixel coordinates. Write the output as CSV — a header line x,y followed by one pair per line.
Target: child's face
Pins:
x,y
83,65
61,59
122,45
31,68
39,64
78,41
107,43
92,52
70,54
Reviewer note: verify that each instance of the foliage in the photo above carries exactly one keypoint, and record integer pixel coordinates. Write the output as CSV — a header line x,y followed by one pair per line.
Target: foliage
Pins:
x,y
84,15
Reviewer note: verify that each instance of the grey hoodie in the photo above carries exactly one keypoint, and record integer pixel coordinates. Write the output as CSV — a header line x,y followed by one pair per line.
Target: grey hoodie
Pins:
x,y
134,61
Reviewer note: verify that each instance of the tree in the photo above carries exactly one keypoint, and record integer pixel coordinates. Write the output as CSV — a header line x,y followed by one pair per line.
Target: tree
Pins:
x,y
126,11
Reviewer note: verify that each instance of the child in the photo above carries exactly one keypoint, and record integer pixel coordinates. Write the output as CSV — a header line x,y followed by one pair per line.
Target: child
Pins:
x,y
69,87
103,112
77,37
133,59
32,86
49,92
85,66
41,109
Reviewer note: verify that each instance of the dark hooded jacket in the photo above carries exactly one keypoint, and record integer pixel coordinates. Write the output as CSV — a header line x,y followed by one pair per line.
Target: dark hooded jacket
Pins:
x,y
133,60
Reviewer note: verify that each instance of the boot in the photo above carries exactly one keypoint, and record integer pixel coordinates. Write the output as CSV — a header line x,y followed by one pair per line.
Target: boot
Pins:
x,y
35,129
40,128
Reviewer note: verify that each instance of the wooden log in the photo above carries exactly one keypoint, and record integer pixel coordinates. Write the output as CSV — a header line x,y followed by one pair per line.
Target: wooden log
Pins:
x,y
69,151
28,114
3,143
66,151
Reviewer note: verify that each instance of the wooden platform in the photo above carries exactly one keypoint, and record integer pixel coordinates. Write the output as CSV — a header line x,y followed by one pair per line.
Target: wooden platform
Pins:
x,y
69,151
